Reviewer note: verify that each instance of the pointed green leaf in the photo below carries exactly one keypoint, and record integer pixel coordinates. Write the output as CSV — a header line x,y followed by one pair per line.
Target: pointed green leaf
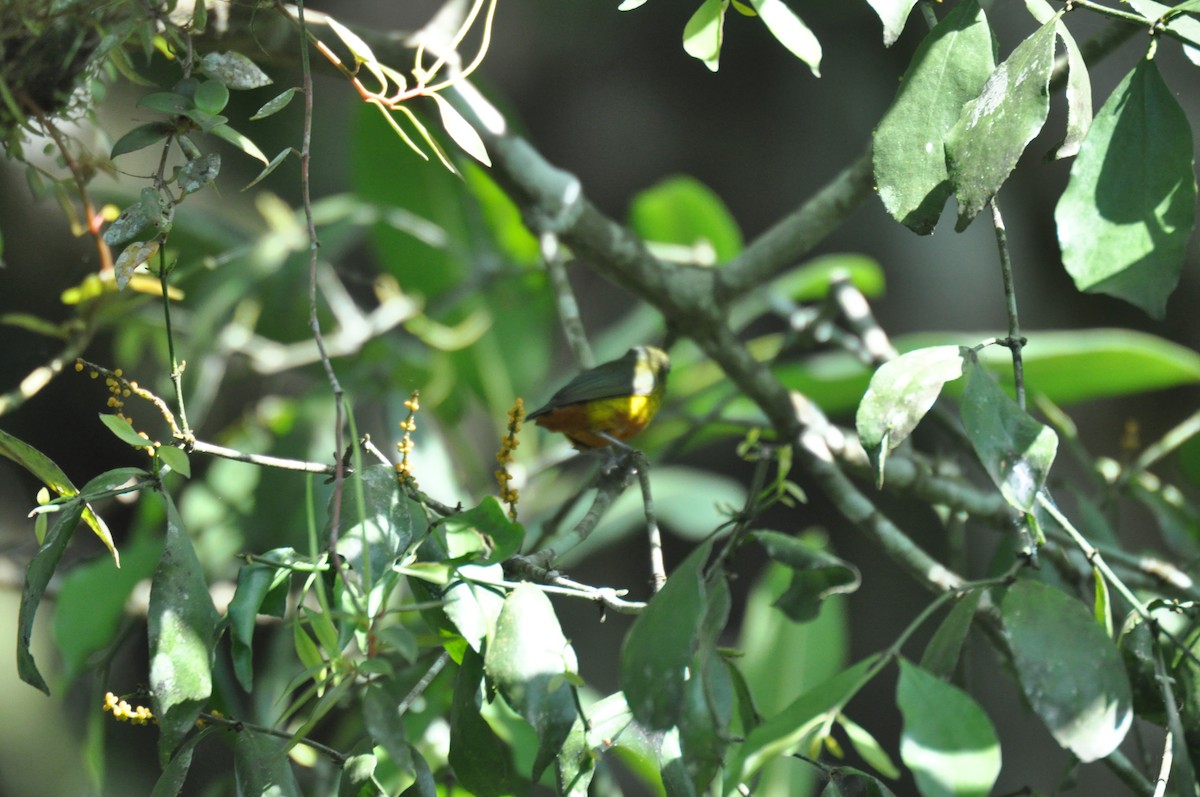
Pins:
x,y
893,14
474,607
948,69
124,431
996,126
659,647
176,459
274,105
1082,692
37,576
262,766
796,723
529,660
261,589
374,535
481,761
1079,85
270,167
703,33
182,633
140,137
901,392
170,782
790,31
247,146
948,742
1127,213
461,131
167,102
942,652
868,748
1016,451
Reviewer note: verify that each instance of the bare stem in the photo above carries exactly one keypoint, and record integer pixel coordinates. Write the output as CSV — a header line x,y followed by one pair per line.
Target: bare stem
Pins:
x,y
1014,342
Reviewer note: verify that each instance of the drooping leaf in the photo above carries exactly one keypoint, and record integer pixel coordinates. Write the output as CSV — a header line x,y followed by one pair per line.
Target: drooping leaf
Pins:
x,y
684,212
1079,84
530,660
1087,715
480,759
140,137
790,31
659,647
995,127
1016,451
816,574
461,131
274,105
261,589
893,14
901,392
704,31
474,607
793,725
1127,213
181,625
37,576
947,70
262,766
942,652
240,141
170,782
868,747
948,742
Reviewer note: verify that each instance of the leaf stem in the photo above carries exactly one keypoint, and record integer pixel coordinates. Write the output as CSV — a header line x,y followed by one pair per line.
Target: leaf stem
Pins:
x,y
1015,342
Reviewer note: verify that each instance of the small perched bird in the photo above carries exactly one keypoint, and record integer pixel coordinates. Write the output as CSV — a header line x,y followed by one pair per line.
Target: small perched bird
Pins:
x,y
609,403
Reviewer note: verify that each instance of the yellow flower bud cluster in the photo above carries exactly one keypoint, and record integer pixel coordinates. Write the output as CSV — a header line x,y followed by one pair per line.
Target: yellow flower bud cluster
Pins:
x,y
508,444
405,446
121,710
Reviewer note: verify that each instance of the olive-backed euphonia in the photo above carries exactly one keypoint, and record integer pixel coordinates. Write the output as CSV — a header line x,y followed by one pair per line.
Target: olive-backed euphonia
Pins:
x,y
614,400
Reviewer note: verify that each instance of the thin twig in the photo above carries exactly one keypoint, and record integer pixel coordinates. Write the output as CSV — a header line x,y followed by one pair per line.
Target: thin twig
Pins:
x,y
39,377
1173,439
419,688
242,726
564,300
658,569
1014,342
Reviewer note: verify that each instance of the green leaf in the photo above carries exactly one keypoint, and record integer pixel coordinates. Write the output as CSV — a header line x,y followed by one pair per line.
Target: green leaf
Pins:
x,y
127,225
474,608
181,624
461,131
947,70
790,31
141,137
794,724
816,574
659,646
37,576
893,14
704,31
481,761
261,589
358,776
901,392
176,459
868,748
503,217
1087,715
212,96
233,69
124,431
482,534
198,172
384,722
948,742
1127,213
529,660
995,127
374,535
174,774
1016,451
423,784
610,725
247,146
274,105
684,212
270,167
942,652
261,765
1079,86
167,102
